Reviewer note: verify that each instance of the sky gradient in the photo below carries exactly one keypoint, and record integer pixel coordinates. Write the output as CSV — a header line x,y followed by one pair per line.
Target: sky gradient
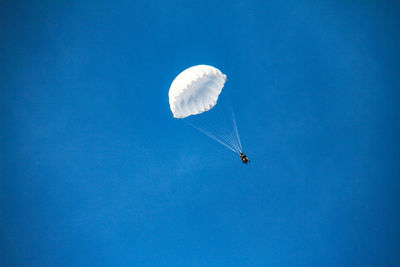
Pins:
x,y
95,171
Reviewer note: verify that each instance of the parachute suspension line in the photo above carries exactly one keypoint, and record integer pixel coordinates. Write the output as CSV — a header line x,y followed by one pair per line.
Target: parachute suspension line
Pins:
x,y
210,135
209,127
236,130
227,135
230,134
218,126
231,120
232,125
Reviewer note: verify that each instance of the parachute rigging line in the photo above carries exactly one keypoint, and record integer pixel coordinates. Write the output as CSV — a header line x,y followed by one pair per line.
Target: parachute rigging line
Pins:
x,y
236,129
211,136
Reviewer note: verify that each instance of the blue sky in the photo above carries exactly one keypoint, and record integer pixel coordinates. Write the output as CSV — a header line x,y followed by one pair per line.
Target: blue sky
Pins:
x,y
95,171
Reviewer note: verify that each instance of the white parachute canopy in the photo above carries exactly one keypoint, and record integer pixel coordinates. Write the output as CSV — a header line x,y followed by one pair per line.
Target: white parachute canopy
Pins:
x,y
195,91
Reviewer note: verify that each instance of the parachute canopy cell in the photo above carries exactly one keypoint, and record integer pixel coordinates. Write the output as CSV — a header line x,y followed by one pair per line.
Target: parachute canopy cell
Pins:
x,y
195,90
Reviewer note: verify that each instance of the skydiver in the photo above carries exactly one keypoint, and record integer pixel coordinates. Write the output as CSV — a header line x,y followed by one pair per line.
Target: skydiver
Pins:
x,y
244,158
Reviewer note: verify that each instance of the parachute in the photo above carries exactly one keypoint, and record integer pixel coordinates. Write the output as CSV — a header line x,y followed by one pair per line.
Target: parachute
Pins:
x,y
193,97
195,90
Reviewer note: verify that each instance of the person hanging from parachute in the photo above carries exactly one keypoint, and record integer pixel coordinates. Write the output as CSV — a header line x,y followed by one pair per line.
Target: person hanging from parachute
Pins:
x,y
195,91
244,158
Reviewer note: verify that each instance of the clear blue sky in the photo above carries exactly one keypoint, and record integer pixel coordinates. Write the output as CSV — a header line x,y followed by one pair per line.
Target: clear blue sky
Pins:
x,y
95,171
